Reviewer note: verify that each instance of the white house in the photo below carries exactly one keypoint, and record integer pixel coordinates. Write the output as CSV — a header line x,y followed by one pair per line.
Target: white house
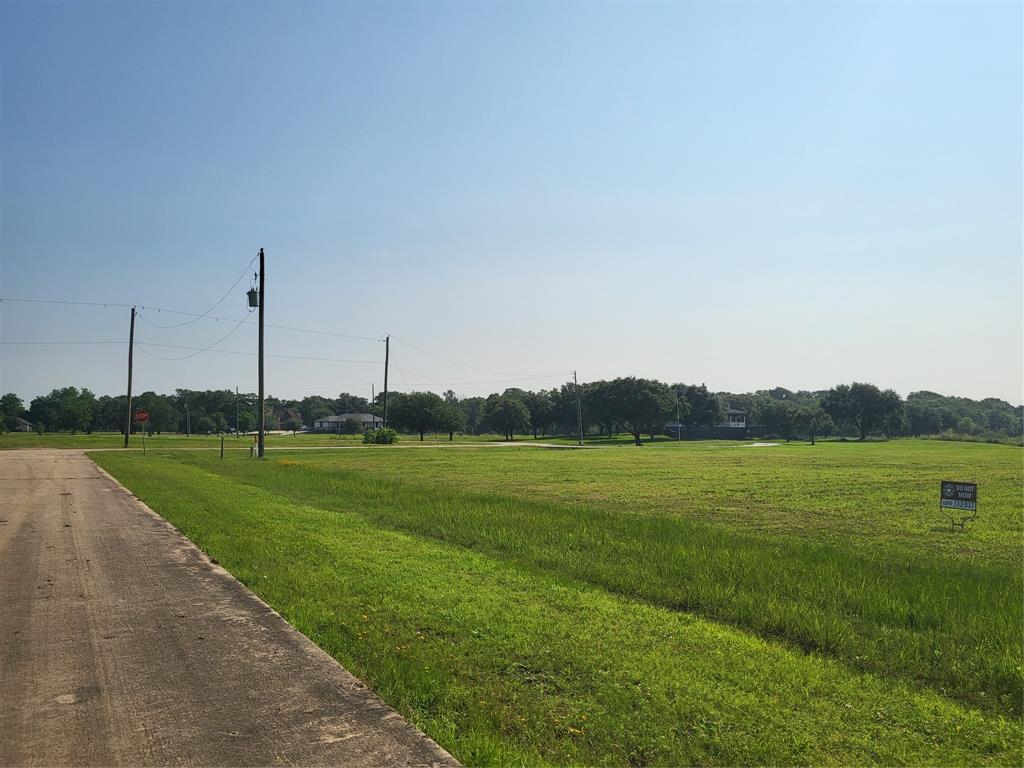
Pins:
x,y
735,418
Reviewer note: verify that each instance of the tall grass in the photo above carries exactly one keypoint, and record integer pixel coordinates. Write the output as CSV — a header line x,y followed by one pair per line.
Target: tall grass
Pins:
x,y
510,663
952,625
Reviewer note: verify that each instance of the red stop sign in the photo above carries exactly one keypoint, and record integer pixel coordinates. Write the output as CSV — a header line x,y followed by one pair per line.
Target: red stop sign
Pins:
x,y
142,415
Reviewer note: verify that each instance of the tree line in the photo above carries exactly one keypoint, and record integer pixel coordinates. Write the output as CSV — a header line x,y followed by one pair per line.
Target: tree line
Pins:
x,y
202,412
627,404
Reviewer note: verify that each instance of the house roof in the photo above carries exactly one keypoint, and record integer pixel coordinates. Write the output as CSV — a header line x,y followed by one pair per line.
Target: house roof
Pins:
x,y
735,412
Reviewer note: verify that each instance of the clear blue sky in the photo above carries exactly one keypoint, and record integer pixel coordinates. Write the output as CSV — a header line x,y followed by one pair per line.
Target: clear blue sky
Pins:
x,y
743,195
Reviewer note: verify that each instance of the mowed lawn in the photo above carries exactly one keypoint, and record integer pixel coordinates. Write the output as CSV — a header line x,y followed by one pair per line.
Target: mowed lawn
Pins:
x,y
674,604
84,440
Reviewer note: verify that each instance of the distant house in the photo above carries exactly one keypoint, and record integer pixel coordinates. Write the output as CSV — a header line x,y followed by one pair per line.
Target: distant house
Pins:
x,y
20,425
337,423
285,415
735,419
733,428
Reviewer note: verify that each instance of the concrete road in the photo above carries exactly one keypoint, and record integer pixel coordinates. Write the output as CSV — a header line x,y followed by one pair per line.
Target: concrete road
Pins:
x,y
122,644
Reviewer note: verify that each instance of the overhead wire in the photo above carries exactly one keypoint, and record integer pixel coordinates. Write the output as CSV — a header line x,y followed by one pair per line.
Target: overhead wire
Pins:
x,y
207,312
253,354
400,371
143,344
47,343
433,380
197,316
464,365
207,348
195,351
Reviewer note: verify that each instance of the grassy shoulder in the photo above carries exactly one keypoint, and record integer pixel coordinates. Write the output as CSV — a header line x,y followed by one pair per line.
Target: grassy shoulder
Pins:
x,y
509,662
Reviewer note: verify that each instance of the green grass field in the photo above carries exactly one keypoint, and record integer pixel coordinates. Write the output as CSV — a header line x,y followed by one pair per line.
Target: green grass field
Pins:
x,y
15,440
676,604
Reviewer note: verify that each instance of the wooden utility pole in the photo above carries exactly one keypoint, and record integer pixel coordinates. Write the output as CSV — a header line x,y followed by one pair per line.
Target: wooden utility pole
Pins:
x,y
131,347
236,412
262,415
579,408
387,357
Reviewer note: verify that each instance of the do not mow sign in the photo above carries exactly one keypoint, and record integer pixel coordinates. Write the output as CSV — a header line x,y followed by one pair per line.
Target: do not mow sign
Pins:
x,y
958,497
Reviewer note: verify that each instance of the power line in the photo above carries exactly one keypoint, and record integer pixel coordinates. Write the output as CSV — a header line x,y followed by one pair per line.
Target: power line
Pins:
x,y
512,377
205,316
471,383
329,387
46,343
207,312
400,371
466,365
207,348
104,304
194,349
250,354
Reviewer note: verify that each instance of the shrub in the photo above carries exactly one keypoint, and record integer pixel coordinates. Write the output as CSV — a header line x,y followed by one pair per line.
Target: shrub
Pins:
x,y
382,436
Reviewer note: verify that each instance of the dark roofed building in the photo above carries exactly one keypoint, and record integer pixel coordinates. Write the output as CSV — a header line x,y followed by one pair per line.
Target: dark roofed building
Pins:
x,y
337,423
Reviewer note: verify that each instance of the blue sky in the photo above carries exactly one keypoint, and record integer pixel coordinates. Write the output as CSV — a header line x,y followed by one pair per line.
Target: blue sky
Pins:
x,y
747,195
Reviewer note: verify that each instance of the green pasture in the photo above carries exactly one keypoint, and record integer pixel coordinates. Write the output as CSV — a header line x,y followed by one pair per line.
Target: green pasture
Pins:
x,y
13,440
672,604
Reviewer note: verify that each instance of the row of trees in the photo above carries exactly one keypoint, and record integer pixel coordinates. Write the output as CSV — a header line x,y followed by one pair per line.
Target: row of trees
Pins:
x,y
639,406
70,409
862,410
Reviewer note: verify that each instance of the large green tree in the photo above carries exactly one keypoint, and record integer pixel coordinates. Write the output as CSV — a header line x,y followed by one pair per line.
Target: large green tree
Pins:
x,y
473,408
698,407
640,404
778,417
599,406
862,407
813,420
315,407
11,409
68,409
452,419
418,412
506,414
542,411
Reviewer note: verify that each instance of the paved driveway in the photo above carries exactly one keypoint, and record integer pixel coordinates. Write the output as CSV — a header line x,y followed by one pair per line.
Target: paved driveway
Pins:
x,y
121,643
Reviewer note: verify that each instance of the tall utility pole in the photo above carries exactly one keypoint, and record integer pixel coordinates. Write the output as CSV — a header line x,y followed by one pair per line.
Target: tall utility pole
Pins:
x,y
236,412
262,415
579,408
387,357
131,347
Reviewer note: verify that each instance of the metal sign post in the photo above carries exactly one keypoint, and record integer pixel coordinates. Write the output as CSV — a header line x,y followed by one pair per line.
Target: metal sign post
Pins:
x,y
141,417
954,495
